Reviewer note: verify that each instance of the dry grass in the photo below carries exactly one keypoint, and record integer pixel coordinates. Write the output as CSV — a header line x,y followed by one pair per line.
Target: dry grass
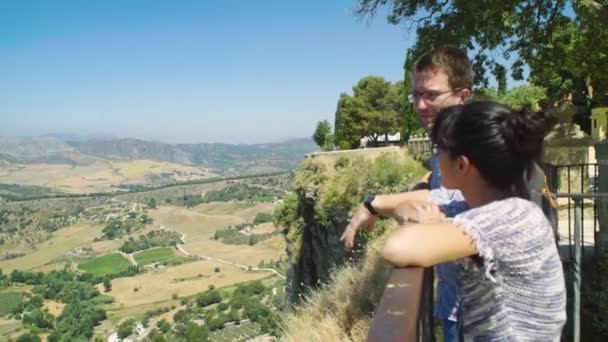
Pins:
x,y
100,176
55,308
8,328
162,284
136,170
329,159
200,226
342,309
62,241
264,228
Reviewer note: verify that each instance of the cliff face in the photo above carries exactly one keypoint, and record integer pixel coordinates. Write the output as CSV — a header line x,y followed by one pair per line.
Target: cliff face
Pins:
x,y
326,188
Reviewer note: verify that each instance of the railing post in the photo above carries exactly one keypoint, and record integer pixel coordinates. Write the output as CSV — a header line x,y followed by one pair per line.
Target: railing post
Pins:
x,y
426,326
576,265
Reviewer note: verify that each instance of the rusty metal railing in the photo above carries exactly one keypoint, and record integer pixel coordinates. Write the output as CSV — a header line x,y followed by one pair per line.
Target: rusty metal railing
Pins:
x,y
405,312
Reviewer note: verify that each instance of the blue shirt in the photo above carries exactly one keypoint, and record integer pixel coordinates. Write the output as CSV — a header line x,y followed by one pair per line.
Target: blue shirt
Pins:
x,y
448,285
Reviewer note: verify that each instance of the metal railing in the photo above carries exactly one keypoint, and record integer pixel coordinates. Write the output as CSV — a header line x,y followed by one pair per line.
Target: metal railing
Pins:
x,y
576,242
405,312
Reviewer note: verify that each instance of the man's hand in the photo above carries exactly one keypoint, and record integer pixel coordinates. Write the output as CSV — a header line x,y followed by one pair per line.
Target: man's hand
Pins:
x,y
424,183
362,217
418,211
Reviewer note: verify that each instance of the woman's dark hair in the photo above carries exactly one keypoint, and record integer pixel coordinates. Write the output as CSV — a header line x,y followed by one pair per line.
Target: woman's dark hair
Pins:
x,y
500,142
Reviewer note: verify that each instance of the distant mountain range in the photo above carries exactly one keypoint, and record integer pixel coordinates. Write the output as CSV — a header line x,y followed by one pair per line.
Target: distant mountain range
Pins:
x,y
226,159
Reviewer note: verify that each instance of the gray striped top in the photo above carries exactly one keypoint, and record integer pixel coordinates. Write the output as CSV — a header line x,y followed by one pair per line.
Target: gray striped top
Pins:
x,y
514,290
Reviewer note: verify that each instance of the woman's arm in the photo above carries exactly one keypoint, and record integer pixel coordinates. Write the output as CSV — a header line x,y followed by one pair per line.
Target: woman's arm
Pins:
x,y
385,205
427,244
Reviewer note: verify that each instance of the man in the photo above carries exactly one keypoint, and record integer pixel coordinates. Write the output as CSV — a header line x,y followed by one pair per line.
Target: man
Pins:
x,y
442,77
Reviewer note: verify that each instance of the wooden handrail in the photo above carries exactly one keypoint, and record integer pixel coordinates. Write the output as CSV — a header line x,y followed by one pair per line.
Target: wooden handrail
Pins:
x,y
405,310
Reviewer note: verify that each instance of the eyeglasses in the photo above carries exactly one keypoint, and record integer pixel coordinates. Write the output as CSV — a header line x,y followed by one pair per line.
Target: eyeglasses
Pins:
x,y
427,96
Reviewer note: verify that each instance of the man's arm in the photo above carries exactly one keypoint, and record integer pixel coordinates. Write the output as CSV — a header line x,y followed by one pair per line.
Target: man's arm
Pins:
x,y
424,183
385,205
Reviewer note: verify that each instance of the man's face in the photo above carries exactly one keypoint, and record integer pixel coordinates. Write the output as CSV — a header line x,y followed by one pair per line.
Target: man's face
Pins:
x,y
431,93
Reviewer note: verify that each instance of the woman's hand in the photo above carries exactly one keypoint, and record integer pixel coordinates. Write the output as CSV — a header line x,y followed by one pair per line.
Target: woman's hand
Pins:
x,y
362,217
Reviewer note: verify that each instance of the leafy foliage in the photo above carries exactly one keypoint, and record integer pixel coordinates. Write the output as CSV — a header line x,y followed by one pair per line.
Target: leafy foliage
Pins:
x,y
78,318
326,190
117,228
155,238
519,97
372,111
321,132
262,218
563,43
126,328
233,192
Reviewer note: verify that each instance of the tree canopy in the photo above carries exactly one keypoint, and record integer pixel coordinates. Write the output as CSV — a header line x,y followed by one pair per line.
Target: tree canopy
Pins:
x,y
564,43
322,134
374,109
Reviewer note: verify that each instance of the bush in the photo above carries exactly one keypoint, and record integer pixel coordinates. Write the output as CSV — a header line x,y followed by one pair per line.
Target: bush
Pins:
x,y
28,337
222,307
126,328
208,298
262,218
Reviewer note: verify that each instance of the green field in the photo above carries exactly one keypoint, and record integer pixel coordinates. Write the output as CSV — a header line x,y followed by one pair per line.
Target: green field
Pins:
x,y
106,264
9,301
162,255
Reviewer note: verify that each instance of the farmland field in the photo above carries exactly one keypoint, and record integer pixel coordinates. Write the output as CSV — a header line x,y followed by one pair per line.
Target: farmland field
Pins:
x,y
98,176
162,255
8,301
107,264
8,327
183,280
82,246
63,241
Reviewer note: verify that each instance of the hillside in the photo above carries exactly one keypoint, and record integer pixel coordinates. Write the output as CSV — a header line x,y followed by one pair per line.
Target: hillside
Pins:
x,y
132,149
225,159
47,164
39,150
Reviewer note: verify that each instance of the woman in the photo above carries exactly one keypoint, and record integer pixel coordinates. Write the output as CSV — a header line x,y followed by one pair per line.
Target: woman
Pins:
x,y
512,283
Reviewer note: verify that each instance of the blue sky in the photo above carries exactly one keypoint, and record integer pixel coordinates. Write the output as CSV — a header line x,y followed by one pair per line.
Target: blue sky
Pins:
x,y
186,71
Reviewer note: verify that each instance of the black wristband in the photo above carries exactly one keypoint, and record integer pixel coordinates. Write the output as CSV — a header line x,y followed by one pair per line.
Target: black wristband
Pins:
x,y
367,203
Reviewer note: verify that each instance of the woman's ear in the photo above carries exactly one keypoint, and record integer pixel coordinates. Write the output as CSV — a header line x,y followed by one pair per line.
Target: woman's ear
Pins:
x,y
463,164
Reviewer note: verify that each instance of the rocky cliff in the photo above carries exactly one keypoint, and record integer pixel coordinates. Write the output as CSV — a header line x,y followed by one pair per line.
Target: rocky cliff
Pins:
x,y
326,188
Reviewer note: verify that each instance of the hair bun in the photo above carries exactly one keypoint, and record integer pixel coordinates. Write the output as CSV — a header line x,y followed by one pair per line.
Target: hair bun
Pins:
x,y
529,130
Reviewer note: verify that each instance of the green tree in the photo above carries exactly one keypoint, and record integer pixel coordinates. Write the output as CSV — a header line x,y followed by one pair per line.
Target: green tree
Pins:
x,y
107,284
126,328
262,218
163,326
195,332
28,337
151,203
563,49
321,132
523,97
372,111
341,131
